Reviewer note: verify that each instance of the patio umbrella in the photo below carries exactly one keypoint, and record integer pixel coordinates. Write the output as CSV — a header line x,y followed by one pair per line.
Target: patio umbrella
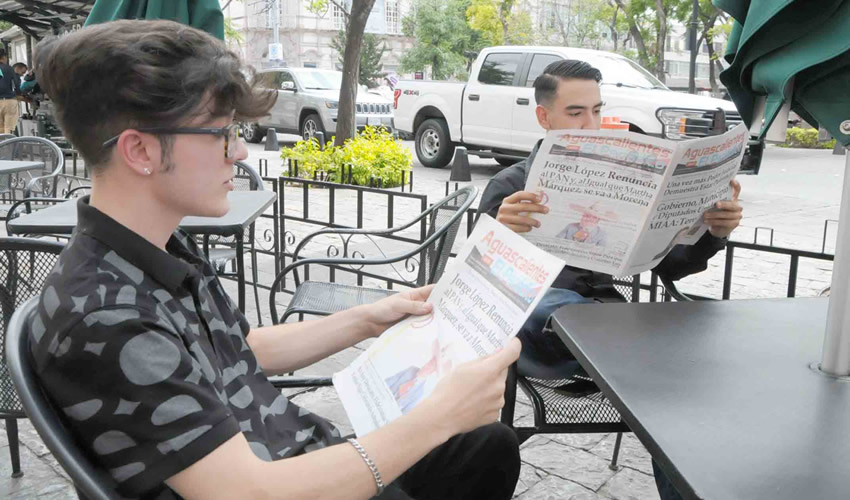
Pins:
x,y
202,14
799,51
785,49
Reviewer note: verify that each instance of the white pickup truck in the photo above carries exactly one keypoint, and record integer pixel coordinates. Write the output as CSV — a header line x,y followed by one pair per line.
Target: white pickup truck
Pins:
x,y
492,115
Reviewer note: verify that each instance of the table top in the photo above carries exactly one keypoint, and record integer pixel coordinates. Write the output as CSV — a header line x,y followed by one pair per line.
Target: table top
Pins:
x,y
245,207
722,393
12,166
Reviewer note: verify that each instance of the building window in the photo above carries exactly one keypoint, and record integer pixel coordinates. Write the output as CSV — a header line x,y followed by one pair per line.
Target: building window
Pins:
x,y
339,17
393,24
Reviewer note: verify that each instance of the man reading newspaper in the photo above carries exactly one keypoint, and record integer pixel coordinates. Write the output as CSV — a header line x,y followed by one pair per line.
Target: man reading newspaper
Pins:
x,y
568,97
156,374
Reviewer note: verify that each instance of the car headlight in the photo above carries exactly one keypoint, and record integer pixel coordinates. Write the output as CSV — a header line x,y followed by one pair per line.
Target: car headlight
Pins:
x,y
332,104
678,124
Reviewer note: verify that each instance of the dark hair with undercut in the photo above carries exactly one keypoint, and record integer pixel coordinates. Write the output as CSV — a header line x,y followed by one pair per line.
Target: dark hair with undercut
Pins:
x,y
125,74
546,85
19,65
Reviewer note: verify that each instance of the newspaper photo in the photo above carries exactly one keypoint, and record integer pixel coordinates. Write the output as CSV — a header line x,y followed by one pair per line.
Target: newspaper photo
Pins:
x,y
620,201
481,301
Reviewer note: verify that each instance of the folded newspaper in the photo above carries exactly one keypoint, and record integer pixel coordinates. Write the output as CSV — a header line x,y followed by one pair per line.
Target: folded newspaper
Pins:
x,y
482,300
620,201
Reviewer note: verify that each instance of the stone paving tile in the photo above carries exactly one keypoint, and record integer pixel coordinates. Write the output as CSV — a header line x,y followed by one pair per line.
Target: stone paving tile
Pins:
x,y
573,464
629,484
556,488
632,453
528,477
39,479
582,441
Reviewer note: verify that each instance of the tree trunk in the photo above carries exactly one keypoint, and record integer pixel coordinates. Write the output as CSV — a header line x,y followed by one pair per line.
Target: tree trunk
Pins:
x,y
643,55
345,126
708,24
613,26
660,39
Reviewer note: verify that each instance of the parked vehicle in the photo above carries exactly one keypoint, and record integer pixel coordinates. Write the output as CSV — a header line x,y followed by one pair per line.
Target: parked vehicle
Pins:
x,y
493,115
308,102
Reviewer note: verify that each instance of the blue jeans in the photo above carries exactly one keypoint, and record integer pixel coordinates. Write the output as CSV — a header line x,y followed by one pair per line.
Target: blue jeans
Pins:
x,y
543,354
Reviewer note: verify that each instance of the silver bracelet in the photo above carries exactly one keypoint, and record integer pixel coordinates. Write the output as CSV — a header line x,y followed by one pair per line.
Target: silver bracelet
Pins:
x,y
369,463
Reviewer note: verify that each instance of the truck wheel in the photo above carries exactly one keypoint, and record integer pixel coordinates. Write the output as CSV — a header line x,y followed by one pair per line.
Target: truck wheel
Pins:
x,y
252,132
310,126
434,148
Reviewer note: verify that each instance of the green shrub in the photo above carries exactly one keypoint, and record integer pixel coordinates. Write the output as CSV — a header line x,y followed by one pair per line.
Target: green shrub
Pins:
x,y
373,153
797,137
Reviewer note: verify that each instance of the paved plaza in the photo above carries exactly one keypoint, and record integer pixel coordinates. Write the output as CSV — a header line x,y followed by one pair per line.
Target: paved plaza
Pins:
x,y
796,192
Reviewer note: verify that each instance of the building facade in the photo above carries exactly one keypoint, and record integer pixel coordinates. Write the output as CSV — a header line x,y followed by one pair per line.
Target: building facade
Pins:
x,y
306,36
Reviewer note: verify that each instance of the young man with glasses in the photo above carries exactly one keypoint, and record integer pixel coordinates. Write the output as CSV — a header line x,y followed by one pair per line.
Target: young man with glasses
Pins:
x,y
156,372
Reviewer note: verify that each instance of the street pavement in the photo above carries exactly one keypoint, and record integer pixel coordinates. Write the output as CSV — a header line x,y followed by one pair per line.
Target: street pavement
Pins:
x,y
796,192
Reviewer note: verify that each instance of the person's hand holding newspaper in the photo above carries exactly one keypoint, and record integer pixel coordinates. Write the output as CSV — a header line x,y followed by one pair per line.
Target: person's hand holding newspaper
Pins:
x,y
515,211
727,214
472,394
387,312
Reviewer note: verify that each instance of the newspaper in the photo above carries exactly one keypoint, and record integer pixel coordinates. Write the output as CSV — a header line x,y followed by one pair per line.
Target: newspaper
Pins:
x,y
620,201
481,301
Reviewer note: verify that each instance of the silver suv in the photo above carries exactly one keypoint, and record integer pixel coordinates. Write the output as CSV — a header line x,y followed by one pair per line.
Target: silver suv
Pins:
x,y
308,101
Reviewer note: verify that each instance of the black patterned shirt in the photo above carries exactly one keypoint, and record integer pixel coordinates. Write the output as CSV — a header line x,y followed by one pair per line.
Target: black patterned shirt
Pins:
x,y
146,358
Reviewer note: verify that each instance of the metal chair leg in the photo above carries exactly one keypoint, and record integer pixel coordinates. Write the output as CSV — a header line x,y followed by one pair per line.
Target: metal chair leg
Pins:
x,y
14,449
613,464
256,289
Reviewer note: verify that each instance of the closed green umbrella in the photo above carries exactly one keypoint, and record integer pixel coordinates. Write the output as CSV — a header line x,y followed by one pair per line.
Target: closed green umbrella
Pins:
x,y
774,41
800,50
202,14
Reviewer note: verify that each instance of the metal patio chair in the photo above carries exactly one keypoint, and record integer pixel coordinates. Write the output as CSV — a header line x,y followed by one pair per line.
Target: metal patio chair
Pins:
x,y
443,220
24,265
222,249
555,411
32,149
91,482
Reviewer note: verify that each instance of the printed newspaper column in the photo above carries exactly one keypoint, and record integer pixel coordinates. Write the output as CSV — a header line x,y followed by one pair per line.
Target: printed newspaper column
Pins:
x,y
619,201
482,300
599,186
698,179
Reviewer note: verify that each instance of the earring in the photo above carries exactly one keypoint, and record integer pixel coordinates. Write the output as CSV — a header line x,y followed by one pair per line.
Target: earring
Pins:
x,y
147,171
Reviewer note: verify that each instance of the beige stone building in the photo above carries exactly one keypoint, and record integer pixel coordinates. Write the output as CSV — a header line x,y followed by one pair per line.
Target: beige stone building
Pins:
x,y
306,36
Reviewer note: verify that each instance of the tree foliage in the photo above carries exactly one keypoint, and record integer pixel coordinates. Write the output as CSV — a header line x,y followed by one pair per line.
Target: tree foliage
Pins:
x,y
445,43
371,53
500,22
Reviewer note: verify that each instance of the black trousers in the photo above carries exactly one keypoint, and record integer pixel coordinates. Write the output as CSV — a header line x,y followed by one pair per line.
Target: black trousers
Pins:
x,y
482,464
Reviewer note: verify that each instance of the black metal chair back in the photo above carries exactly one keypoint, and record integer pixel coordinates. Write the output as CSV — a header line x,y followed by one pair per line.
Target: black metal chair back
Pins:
x,y
445,217
26,206
91,483
35,149
24,265
443,220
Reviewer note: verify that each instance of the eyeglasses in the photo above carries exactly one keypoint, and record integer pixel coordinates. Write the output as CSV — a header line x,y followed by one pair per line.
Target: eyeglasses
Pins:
x,y
230,134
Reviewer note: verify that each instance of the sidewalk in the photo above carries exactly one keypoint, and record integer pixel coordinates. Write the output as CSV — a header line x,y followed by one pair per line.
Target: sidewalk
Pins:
x,y
796,191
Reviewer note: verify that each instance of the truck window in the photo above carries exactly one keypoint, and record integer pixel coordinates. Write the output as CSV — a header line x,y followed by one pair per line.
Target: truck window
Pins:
x,y
499,69
538,64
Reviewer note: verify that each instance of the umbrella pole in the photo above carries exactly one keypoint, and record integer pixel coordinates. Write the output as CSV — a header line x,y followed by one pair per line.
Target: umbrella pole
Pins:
x,y
836,346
